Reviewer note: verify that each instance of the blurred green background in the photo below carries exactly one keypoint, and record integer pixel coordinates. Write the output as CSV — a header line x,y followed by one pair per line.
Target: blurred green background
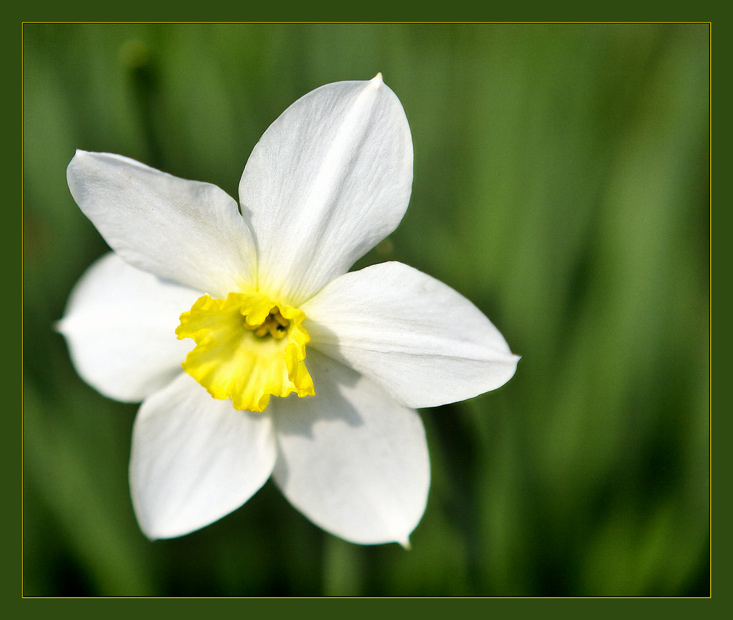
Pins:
x,y
561,183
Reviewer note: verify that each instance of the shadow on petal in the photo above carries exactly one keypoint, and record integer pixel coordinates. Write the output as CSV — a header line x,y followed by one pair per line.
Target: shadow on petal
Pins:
x,y
298,416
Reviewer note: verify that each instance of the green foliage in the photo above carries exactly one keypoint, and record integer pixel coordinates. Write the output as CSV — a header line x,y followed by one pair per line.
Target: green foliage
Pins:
x,y
561,183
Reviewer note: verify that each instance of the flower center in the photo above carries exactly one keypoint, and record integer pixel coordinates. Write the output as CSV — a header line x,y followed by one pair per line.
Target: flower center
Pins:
x,y
275,325
248,348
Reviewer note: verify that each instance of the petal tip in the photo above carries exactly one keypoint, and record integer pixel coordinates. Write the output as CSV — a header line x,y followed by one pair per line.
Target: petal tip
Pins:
x,y
152,537
377,80
157,528
79,153
74,165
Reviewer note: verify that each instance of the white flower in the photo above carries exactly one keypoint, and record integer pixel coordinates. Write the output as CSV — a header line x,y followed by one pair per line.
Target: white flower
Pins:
x,y
263,307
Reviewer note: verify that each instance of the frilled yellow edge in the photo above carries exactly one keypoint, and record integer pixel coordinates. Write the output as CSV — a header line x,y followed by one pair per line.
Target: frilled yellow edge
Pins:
x,y
248,348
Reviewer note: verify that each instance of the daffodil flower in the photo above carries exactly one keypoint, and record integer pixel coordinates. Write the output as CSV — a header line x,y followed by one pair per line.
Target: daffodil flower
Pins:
x,y
253,350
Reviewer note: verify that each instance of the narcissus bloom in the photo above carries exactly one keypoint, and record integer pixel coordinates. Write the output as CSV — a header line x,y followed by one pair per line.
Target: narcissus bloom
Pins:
x,y
253,351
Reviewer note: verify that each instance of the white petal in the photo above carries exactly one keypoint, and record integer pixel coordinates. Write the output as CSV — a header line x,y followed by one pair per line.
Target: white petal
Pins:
x,y
417,337
184,231
328,180
120,325
195,459
350,458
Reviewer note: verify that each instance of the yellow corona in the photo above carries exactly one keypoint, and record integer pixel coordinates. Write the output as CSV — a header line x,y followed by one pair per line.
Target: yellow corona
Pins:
x,y
248,348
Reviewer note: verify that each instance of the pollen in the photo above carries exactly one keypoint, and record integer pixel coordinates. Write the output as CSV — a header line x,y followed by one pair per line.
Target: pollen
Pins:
x,y
275,325
248,348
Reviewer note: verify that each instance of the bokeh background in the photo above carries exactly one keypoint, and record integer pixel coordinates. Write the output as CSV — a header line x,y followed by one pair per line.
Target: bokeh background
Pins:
x,y
561,183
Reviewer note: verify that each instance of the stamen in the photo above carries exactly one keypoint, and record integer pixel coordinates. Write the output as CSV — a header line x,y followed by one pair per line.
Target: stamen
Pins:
x,y
275,325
